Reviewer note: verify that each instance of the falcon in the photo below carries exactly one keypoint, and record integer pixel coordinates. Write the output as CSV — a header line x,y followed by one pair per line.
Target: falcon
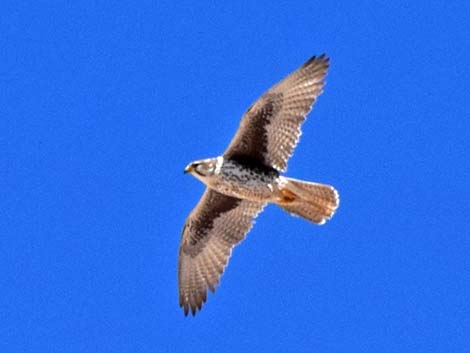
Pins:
x,y
246,177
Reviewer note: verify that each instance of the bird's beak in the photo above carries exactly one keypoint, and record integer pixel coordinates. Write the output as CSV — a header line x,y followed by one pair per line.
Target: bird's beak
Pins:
x,y
189,168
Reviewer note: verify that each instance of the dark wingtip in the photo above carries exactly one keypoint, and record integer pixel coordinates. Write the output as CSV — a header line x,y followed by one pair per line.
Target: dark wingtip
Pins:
x,y
188,308
314,59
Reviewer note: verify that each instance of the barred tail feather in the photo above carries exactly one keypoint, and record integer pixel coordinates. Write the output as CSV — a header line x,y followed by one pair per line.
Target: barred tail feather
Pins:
x,y
312,201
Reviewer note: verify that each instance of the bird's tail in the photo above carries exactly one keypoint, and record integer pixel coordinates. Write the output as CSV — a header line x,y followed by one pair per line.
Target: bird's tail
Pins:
x,y
314,202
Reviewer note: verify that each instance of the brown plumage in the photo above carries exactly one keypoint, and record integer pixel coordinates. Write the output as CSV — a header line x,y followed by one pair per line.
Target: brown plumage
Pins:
x,y
246,177
270,128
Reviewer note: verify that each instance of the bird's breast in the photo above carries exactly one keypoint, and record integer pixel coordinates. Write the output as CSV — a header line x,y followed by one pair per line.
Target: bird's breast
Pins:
x,y
246,182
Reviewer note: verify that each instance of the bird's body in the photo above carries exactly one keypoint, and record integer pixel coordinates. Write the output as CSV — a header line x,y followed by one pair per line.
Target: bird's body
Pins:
x,y
240,182
242,179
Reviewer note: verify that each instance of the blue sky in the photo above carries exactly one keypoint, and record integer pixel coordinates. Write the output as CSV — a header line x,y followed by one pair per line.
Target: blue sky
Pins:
x,y
102,106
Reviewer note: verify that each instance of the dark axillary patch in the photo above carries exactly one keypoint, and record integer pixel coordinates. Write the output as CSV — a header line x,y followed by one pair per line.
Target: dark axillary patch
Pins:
x,y
216,205
254,143
255,165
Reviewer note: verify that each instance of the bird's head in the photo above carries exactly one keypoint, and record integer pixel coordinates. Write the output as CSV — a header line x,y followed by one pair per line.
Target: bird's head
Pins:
x,y
204,169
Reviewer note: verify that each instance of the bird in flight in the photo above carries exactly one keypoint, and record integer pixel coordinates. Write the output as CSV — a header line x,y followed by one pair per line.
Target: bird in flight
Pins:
x,y
246,177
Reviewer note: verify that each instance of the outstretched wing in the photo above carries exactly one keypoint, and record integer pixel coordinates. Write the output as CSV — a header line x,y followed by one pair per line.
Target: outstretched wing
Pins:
x,y
213,228
270,128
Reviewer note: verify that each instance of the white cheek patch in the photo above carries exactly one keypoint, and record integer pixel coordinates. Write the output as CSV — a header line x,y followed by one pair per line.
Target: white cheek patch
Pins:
x,y
218,164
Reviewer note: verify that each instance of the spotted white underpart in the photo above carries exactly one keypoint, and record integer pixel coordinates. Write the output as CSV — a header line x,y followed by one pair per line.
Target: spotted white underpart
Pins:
x,y
245,182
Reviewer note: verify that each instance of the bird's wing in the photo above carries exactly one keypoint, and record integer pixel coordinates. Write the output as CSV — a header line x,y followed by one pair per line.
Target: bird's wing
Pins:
x,y
270,128
213,228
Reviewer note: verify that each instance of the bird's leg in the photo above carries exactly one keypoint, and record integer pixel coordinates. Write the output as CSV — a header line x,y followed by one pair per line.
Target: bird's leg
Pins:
x,y
286,196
